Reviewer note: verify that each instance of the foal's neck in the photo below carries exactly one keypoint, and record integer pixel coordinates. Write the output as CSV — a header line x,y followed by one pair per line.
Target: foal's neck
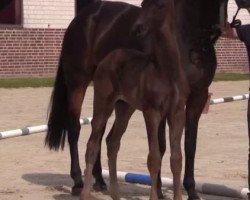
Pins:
x,y
166,52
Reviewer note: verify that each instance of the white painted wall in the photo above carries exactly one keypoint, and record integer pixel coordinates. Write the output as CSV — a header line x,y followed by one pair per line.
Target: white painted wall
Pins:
x,y
134,2
52,13
243,15
59,13
47,13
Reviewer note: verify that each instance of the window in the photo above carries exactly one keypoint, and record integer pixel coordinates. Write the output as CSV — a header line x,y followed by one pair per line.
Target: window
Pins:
x,y
10,12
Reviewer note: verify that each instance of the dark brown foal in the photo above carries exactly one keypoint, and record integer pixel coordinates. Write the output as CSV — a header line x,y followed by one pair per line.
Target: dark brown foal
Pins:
x,y
155,84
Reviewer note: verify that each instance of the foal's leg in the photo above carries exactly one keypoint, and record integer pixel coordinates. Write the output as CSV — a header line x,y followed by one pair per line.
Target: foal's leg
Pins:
x,y
76,97
75,104
152,120
162,145
176,125
123,114
102,111
194,107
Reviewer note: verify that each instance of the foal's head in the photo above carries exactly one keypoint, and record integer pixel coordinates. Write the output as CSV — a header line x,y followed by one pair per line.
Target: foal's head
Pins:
x,y
204,14
154,14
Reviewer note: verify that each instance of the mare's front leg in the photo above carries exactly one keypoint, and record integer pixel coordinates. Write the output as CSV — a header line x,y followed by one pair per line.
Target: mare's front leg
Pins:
x,y
123,114
194,107
152,119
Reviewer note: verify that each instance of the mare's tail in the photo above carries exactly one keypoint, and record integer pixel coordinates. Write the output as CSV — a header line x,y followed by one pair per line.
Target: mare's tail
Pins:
x,y
58,112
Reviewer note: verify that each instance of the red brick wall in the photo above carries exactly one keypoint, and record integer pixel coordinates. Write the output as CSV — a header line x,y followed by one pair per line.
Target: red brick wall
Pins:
x,y
35,53
231,56
29,52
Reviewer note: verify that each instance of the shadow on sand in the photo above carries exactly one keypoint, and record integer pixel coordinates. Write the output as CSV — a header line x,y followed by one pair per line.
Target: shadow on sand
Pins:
x,y
62,183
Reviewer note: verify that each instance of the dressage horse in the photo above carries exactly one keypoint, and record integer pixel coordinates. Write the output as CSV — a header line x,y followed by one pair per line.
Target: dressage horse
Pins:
x,y
102,27
155,84
99,28
199,25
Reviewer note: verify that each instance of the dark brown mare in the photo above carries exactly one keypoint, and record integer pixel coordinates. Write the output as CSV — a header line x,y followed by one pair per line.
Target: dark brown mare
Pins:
x,y
100,28
155,84
199,25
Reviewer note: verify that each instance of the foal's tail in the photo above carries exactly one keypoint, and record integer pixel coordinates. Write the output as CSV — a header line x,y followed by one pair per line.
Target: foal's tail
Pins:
x,y
58,112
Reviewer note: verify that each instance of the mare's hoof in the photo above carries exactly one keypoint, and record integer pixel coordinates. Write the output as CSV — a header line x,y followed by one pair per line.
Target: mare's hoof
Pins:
x,y
161,196
100,187
76,191
194,198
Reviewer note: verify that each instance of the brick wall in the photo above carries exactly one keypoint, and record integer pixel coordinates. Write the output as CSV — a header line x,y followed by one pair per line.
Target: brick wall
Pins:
x,y
35,52
29,52
231,56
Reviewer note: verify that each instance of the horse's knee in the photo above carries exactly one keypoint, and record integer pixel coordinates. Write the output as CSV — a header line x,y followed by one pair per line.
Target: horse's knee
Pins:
x,y
74,128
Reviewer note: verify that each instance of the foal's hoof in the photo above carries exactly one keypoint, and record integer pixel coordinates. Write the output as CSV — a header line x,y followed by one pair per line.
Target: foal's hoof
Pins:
x,y
100,187
76,191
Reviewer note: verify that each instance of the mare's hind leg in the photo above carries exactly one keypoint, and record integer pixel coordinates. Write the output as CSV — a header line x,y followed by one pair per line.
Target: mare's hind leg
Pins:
x,y
123,114
152,120
75,104
99,184
176,126
194,107
162,145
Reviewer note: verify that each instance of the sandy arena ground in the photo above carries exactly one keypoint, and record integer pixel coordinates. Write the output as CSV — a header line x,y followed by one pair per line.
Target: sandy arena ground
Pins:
x,y
29,171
